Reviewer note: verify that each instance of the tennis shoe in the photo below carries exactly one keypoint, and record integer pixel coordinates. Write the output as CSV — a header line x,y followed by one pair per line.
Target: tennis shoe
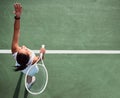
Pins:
x,y
32,82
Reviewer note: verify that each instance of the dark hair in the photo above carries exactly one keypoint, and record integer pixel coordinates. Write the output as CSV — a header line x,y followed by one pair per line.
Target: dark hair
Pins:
x,y
22,59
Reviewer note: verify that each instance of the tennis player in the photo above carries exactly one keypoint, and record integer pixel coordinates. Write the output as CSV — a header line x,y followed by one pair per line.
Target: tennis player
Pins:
x,y
24,57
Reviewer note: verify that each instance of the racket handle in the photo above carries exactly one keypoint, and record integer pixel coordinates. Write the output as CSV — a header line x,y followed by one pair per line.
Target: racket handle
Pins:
x,y
41,54
43,46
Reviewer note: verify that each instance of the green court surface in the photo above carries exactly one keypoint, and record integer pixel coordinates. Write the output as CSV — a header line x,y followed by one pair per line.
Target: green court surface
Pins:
x,y
65,25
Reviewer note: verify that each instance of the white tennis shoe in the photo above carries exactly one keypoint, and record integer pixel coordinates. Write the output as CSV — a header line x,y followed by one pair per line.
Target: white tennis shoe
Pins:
x,y
32,82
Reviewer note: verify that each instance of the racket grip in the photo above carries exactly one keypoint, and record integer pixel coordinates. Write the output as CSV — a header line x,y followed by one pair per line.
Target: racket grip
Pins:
x,y
43,46
41,54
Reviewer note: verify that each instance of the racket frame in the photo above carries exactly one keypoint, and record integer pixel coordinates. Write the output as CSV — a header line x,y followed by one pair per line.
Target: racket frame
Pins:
x,y
42,64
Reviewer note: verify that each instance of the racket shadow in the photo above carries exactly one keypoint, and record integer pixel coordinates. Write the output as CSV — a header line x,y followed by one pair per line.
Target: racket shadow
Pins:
x,y
25,93
17,89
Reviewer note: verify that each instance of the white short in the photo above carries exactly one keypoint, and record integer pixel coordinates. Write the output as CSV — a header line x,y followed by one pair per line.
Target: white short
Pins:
x,y
32,72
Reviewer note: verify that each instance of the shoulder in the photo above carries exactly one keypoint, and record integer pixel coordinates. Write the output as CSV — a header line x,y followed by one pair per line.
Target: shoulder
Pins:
x,y
14,55
15,49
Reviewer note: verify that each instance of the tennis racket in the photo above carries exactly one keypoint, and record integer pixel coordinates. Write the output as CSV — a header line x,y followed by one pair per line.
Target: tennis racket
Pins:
x,y
41,77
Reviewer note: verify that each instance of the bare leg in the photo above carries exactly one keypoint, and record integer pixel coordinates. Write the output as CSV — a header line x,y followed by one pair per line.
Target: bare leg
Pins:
x,y
29,79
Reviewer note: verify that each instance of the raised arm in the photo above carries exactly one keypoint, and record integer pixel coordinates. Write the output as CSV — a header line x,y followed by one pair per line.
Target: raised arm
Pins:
x,y
16,34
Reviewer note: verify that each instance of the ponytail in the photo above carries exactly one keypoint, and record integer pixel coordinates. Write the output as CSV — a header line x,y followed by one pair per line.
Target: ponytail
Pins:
x,y
22,59
21,67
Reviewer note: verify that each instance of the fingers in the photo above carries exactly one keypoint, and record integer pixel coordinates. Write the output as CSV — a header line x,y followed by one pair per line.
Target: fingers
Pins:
x,y
42,50
17,5
18,9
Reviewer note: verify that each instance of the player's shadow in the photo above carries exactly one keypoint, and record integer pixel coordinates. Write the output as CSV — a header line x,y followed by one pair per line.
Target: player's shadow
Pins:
x,y
17,89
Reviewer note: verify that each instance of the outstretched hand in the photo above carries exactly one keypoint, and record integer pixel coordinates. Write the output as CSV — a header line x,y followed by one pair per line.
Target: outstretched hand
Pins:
x,y
42,50
18,9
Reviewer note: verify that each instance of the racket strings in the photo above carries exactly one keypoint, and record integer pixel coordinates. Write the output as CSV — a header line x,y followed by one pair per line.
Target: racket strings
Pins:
x,y
41,80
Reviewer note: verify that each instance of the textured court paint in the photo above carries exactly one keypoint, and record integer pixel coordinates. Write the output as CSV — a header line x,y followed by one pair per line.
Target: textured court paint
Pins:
x,y
87,76
65,25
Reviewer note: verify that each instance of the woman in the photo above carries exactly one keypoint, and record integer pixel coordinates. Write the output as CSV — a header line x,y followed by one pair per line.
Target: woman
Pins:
x,y
24,57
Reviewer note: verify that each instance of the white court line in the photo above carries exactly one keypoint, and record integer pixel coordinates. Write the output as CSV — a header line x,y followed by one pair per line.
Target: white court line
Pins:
x,y
71,51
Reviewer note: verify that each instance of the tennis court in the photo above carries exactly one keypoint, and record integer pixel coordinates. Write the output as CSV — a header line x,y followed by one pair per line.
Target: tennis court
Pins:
x,y
65,25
